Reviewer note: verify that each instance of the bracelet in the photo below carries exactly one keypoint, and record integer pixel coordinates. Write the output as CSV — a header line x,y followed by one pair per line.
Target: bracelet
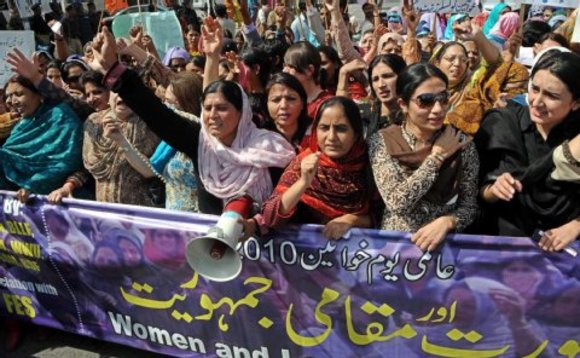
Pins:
x,y
568,154
439,157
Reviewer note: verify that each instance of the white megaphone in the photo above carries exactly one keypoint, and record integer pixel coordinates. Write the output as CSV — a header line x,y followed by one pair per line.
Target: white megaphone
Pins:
x,y
214,256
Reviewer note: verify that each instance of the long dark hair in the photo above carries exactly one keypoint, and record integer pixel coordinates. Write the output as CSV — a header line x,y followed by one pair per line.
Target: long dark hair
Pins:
x,y
291,82
395,62
333,57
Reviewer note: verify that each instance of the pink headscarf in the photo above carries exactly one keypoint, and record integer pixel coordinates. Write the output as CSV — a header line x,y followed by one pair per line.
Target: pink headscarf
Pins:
x,y
508,24
242,169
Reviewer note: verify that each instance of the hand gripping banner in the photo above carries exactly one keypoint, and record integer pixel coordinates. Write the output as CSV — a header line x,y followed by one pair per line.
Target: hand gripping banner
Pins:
x,y
119,274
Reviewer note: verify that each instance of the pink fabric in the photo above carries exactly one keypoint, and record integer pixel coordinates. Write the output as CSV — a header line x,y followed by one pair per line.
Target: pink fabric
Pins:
x,y
508,24
242,169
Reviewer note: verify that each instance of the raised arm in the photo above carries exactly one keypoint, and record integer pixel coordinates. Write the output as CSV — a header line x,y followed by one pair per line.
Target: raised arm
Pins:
x,y
465,31
177,131
212,40
51,94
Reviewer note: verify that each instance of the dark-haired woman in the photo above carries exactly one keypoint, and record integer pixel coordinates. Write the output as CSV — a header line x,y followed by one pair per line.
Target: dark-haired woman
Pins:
x,y
328,182
331,63
231,156
425,171
302,60
287,108
383,72
44,147
516,145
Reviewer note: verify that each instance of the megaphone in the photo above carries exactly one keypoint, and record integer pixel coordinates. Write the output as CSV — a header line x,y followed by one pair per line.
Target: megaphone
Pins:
x,y
214,256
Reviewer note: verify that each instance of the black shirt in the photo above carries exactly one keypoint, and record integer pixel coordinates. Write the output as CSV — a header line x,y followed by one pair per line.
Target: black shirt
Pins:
x,y
508,141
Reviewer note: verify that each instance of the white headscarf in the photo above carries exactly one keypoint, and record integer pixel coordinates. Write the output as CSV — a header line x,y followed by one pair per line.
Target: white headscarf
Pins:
x,y
242,169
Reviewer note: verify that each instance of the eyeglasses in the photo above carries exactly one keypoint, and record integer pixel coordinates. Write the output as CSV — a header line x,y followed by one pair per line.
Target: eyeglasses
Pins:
x,y
427,100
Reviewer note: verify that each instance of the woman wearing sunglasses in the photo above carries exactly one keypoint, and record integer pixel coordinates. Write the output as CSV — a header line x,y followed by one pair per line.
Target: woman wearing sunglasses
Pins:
x,y
517,145
426,172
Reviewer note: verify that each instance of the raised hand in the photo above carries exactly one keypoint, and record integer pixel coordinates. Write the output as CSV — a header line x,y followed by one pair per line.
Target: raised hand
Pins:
x,y
104,51
308,168
23,66
465,30
412,17
212,36
136,35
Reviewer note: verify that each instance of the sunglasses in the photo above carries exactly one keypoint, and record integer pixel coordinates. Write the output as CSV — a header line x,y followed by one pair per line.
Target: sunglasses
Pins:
x,y
73,79
427,100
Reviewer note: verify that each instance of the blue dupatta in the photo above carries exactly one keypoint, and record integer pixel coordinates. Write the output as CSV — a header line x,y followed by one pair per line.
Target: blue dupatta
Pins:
x,y
43,150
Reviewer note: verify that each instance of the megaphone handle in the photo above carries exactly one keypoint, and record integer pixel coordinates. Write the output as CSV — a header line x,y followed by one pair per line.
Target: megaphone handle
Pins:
x,y
218,250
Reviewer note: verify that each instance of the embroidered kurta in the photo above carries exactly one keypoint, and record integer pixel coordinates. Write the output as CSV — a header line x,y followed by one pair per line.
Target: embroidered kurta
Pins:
x,y
116,180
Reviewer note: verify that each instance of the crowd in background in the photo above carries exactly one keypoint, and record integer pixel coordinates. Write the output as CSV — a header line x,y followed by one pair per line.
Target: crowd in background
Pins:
x,y
425,123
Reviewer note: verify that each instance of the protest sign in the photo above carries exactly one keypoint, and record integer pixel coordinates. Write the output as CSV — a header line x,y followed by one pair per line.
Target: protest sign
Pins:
x,y
576,33
118,273
22,40
557,3
163,27
447,6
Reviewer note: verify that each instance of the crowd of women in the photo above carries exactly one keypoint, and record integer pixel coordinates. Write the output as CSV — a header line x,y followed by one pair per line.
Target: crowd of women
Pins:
x,y
428,125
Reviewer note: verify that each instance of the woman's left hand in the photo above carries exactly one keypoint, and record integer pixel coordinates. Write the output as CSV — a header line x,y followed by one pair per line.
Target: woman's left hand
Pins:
x,y
22,195
431,235
338,227
560,237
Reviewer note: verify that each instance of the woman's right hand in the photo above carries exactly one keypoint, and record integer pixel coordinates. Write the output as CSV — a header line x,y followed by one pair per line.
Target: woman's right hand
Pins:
x,y
449,142
104,51
308,168
504,188
112,129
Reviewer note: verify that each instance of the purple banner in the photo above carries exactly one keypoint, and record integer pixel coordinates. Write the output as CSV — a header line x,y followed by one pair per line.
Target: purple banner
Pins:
x,y
119,273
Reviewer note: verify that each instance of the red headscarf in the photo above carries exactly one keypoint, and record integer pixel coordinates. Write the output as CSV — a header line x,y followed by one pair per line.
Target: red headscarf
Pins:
x,y
339,187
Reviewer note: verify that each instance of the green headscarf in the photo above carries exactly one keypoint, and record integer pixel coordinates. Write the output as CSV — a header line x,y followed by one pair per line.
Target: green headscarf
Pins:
x,y
493,18
43,150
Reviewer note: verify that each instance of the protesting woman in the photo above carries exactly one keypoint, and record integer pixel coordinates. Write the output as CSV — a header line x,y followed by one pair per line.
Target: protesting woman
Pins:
x,y
516,145
287,108
425,171
328,182
44,147
231,156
